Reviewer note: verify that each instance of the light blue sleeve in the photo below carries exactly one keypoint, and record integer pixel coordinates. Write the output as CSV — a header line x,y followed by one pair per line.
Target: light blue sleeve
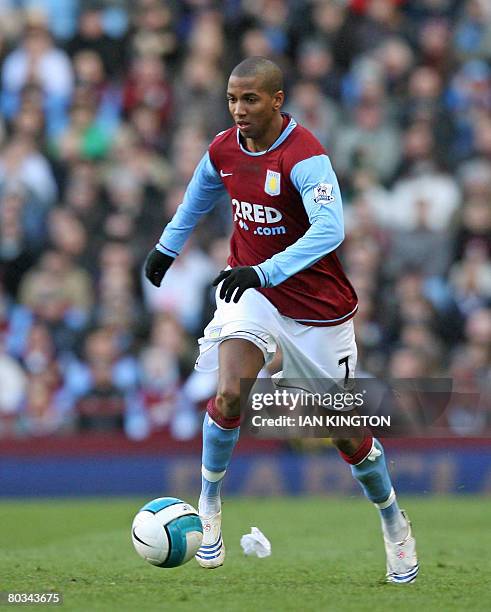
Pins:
x,y
202,193
316,182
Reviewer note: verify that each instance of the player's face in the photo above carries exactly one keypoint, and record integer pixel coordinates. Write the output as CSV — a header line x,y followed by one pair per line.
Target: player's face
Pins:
x,y
252,108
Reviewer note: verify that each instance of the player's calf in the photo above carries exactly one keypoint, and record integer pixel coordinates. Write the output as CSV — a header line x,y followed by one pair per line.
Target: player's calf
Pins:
x,y
239,359
220,435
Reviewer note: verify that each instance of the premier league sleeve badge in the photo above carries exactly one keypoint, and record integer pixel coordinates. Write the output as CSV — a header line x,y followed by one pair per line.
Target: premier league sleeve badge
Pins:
x,y
323,193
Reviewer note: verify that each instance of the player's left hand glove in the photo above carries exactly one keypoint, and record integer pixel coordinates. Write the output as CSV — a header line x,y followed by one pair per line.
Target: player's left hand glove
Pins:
x,y
241,278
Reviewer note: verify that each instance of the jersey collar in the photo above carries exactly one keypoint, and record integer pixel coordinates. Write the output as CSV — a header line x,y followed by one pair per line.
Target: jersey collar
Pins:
x,y
292,124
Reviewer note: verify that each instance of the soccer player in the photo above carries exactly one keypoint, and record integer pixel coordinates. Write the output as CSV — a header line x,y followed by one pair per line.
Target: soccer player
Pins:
x,y
284,286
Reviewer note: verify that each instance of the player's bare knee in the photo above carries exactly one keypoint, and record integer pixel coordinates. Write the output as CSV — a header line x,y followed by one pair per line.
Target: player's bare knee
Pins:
x,y
228,402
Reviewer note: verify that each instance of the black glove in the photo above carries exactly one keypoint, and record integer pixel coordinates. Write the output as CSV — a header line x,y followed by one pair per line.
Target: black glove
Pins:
x,y
241,278
156,265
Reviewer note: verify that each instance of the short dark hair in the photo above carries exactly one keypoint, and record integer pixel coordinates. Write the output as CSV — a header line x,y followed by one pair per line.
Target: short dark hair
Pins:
x,y
270,73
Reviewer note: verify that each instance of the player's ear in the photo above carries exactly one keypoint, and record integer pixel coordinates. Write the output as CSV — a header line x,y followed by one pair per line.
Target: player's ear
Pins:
x,y
278,99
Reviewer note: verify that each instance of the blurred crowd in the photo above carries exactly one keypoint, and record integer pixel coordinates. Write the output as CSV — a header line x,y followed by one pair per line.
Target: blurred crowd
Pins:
x,y
106,108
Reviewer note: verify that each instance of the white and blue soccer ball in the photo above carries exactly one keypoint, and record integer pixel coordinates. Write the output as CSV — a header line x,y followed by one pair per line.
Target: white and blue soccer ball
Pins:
x,y
167,532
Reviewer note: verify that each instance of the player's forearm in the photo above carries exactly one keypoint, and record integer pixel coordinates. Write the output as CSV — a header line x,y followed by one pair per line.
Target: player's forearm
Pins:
x,y
321,238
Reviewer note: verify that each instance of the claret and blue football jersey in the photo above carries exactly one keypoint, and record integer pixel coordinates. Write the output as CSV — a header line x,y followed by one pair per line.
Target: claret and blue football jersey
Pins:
x,y
288,220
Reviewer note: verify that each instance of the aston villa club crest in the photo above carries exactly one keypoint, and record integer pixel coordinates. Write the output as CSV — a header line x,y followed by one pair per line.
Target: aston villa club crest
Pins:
x,y
272,184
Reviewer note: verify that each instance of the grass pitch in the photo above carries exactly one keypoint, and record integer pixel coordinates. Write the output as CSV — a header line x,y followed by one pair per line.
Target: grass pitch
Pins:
x,y
327,554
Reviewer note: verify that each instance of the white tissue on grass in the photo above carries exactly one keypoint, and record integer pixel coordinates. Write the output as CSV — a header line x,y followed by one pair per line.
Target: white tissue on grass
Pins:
x,y
256,543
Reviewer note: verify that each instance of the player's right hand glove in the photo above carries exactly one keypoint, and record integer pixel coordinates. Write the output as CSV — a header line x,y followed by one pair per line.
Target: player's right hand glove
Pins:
x,y
156,265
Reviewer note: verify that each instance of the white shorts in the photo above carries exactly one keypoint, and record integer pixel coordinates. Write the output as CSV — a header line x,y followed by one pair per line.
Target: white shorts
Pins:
x,y
308,352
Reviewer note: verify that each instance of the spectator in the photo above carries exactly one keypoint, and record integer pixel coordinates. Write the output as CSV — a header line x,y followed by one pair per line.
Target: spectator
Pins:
x,y
102,384
148,84
90,76
473,31
160,369
420,247
371,140
84,138
470,278
12,391
316,64
60,294
315,112
21,225
423,175
199,96
22,162
37,61
91,36
191,273
155,31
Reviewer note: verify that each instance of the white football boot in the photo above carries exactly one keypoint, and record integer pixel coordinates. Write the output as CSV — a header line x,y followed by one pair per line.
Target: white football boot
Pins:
x,y
212,551
402,561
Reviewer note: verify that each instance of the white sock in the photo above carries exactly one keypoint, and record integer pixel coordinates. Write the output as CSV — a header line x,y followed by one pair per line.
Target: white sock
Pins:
x,y
208,506
394,525
211,484
396,529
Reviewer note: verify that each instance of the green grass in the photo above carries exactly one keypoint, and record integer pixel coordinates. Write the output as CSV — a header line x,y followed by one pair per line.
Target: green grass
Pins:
x,y
327,555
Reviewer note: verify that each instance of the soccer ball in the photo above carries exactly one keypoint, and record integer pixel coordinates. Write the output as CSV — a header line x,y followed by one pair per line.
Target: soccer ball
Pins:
x,y
167,532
